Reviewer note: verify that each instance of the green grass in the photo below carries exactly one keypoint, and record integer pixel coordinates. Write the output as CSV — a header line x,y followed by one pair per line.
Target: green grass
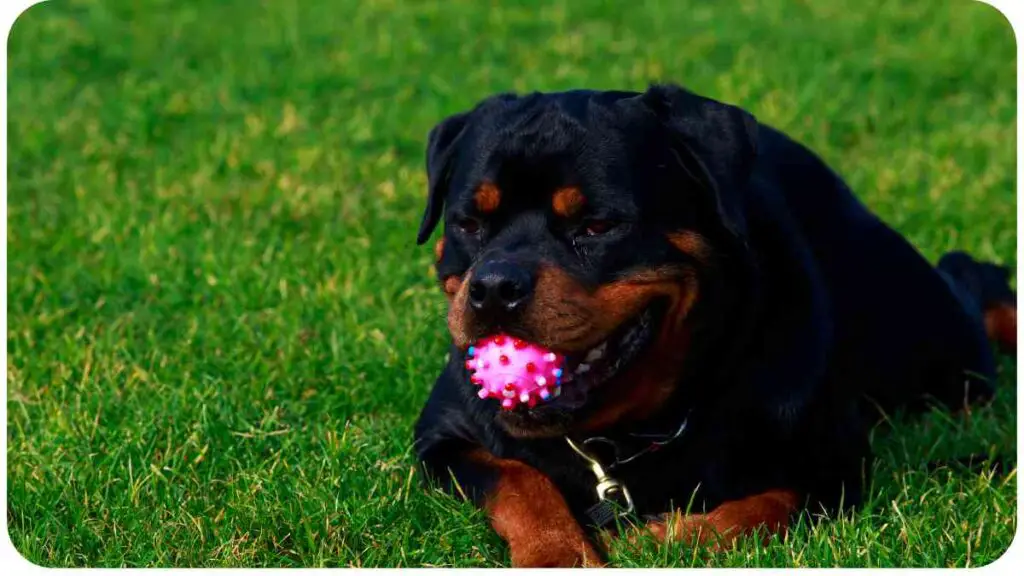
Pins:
x,y
220,330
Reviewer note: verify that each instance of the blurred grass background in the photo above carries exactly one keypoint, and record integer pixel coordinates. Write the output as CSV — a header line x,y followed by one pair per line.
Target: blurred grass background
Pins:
x,y
220,330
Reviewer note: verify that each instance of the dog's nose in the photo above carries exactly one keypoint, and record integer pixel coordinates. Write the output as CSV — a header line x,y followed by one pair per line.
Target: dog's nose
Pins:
x,y
499,287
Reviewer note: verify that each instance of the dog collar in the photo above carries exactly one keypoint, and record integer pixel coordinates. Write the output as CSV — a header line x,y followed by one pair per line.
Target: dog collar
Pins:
x,y
613,497
636,445
614,500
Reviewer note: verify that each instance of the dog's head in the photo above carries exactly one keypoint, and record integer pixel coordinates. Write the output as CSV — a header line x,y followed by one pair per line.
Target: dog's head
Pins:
x,y
590,223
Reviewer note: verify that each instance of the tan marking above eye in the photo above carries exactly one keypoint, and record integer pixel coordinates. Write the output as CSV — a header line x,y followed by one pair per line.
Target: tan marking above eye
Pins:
x,y
567,201
487,198
692,244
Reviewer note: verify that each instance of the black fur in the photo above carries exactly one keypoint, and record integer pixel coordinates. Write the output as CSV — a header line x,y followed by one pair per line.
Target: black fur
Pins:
x,y
812,304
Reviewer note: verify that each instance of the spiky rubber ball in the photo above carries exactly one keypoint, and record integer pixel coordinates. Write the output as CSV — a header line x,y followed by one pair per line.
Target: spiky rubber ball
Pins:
x,y
514,371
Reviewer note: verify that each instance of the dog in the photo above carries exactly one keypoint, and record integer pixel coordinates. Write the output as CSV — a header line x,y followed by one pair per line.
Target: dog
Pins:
x,y
733,320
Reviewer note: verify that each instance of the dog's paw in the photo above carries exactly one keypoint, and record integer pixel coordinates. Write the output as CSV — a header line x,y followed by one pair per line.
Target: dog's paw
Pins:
x,y
692,529
555,553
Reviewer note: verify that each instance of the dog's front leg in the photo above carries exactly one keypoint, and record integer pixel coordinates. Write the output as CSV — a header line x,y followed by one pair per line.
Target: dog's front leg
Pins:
x,y
528,512
769,511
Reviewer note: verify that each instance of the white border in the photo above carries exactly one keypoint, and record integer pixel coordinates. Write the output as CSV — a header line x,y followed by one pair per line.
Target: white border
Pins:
x,y
9,555
1011,562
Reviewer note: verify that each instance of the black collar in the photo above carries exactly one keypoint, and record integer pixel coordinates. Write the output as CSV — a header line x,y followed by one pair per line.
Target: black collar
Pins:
x,y
614,500
632,445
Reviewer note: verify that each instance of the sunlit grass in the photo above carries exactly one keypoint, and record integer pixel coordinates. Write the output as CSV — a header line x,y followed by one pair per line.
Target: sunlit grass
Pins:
x,y
220,330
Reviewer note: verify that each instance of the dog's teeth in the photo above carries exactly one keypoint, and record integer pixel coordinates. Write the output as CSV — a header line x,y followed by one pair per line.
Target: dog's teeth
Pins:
x,y
583,368
595,354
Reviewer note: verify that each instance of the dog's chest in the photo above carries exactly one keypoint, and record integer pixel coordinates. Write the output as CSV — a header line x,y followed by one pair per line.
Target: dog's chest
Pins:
x,y
656,482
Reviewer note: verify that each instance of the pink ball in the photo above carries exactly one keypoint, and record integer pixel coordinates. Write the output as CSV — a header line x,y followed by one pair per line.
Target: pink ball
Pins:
x,y
514,371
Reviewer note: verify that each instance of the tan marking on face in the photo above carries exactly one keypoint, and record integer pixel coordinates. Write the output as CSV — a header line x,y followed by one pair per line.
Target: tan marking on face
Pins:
x,y
567,202
566,316
487,198
438,249
458,309
654,375
692,244
451,286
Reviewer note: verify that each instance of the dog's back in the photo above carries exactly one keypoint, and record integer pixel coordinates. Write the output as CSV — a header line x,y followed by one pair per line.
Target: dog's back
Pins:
x,y
901,330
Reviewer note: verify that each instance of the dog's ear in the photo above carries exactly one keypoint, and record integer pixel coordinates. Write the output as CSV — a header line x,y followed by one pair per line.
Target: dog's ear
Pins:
x,y
441,144
714,142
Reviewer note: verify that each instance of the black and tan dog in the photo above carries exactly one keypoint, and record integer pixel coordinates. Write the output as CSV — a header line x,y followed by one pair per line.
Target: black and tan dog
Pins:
x,y
731,314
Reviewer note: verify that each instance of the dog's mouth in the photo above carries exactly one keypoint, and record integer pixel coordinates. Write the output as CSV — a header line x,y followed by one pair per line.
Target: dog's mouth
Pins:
x,y
585,373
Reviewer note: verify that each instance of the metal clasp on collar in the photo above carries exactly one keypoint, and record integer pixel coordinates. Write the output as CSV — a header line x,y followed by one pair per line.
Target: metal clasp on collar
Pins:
x,y
608,488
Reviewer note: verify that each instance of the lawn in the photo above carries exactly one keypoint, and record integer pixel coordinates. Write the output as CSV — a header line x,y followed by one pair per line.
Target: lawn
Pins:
x,y
220,329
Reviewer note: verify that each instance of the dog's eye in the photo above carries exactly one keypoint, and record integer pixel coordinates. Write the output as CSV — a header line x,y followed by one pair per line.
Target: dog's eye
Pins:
x,y
598,227
468,225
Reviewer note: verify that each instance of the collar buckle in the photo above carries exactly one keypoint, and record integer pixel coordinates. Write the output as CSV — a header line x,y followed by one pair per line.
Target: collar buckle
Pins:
x,y
612,489
613,497
608,488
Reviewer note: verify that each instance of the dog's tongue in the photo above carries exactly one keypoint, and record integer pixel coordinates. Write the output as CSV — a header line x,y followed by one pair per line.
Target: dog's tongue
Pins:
x,y
514,371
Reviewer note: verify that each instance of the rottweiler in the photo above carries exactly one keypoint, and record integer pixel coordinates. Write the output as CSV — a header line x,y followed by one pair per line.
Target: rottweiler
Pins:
x,y
733,320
